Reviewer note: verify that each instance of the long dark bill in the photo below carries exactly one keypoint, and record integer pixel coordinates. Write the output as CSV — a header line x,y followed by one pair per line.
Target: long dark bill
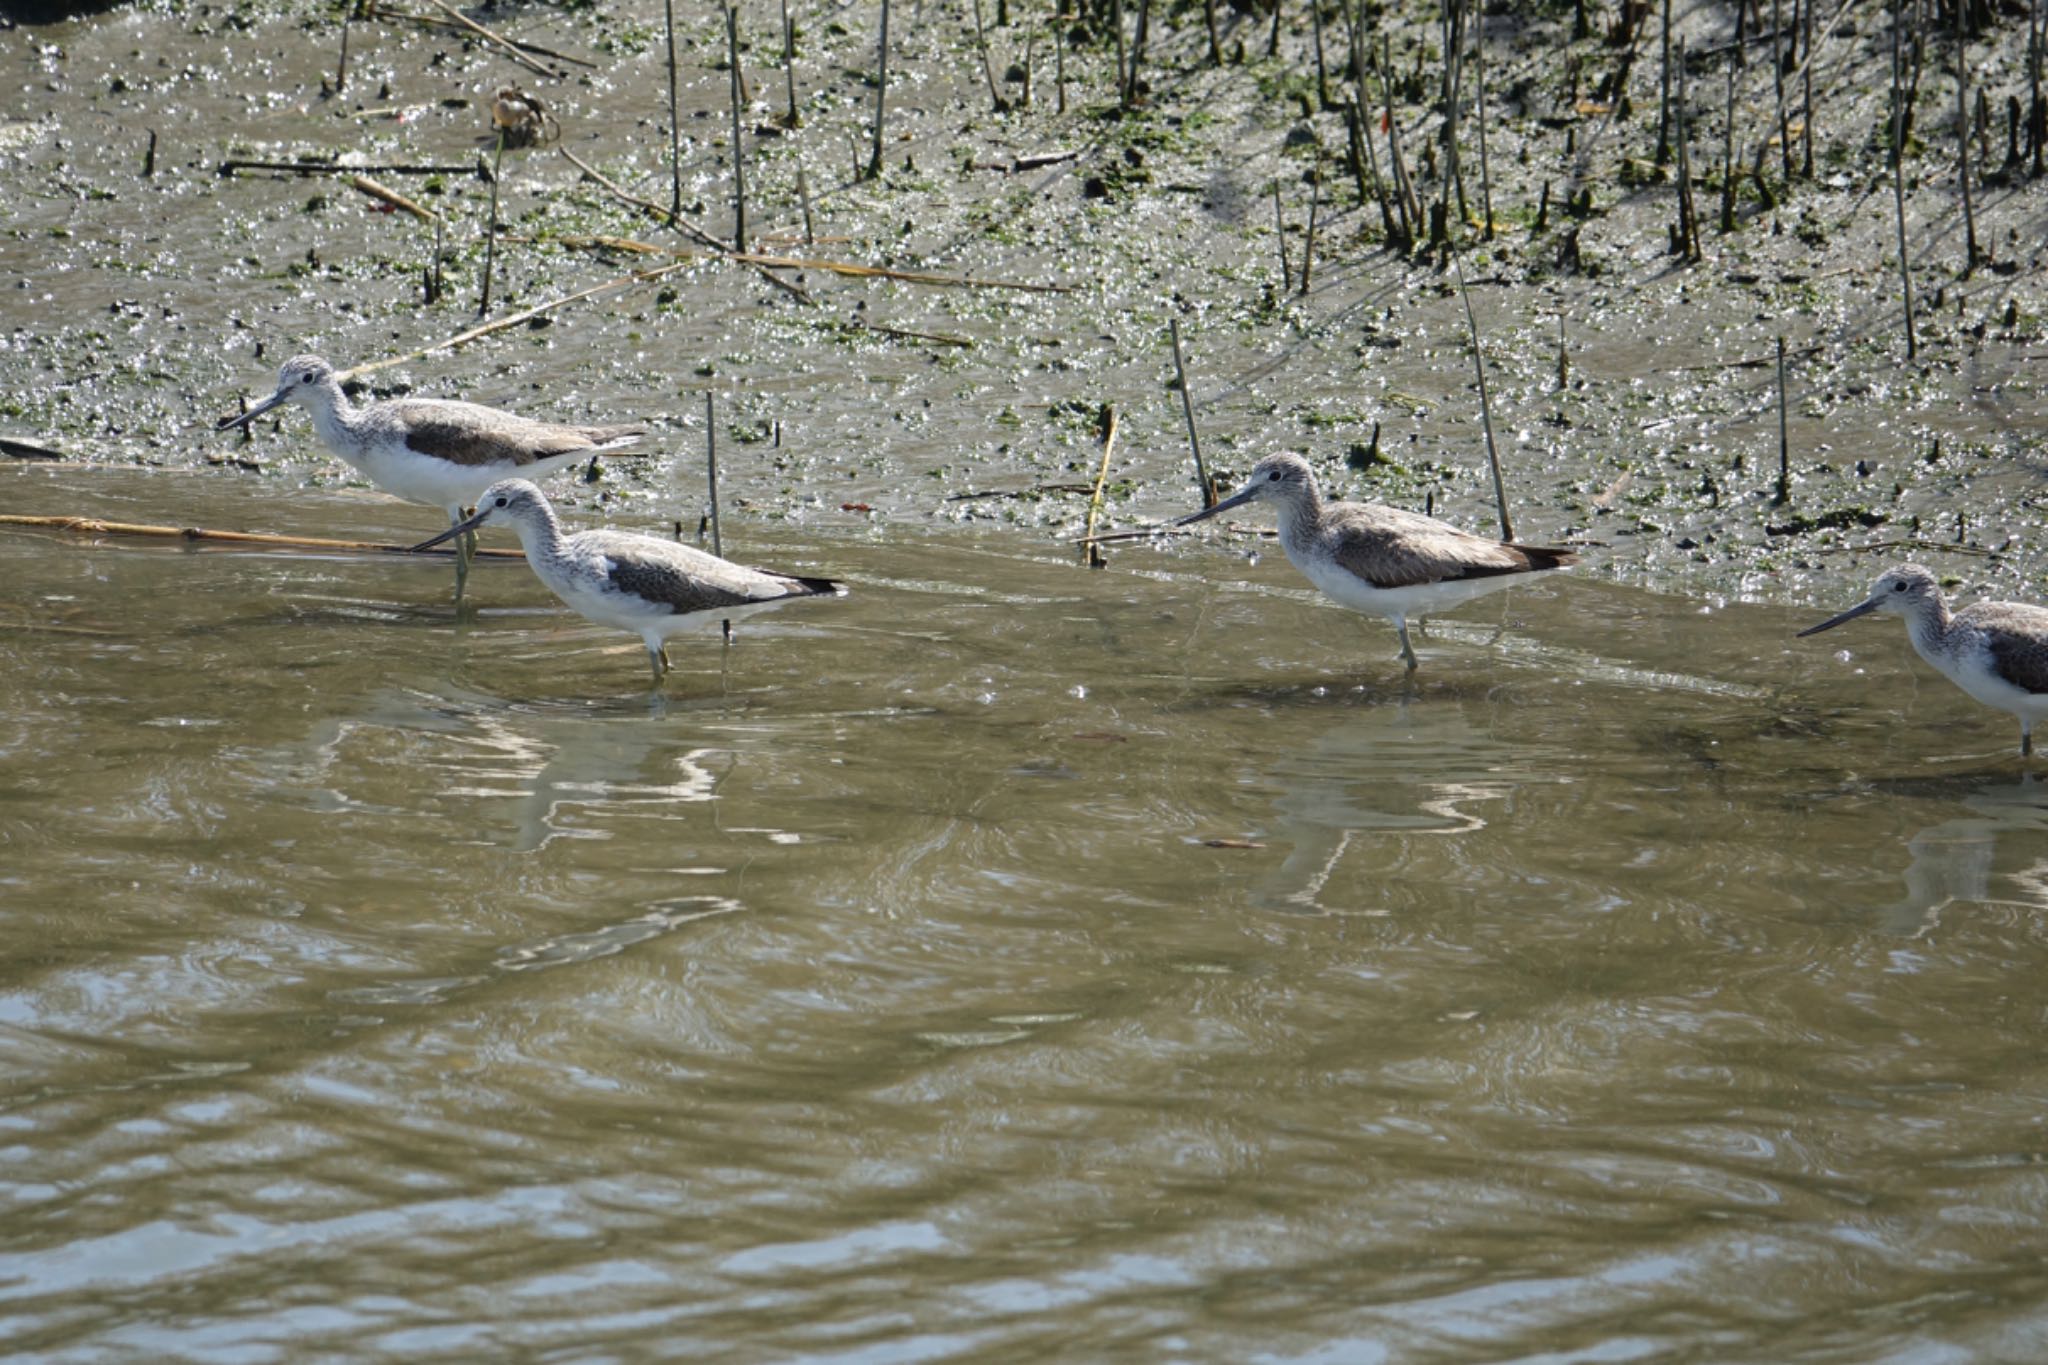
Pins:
x,y
1237,499
457,529
230,423
1859,609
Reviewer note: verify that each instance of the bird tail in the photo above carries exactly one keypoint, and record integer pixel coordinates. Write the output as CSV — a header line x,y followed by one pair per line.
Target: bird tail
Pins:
x,y
611,438
1540,557
816,587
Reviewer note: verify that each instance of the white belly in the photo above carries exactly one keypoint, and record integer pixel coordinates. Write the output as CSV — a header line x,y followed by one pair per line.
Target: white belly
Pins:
x,y
1421,599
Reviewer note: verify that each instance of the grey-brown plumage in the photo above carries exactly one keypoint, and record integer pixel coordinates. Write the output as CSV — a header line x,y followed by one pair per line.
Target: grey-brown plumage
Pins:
x,y
476,437
1382,560
441,452
1995,651
651,587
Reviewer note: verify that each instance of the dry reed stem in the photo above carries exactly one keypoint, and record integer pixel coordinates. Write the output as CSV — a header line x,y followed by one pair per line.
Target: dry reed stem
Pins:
x,y
93,526
514,319
511,49
385,194
1091,555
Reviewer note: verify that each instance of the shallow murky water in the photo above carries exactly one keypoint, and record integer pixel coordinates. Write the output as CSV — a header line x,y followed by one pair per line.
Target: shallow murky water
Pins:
x,y
1007,961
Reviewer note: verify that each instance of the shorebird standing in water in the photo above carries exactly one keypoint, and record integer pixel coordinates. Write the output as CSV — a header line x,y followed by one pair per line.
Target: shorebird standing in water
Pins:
x,y
1995,651
1381,560
432,450
651,587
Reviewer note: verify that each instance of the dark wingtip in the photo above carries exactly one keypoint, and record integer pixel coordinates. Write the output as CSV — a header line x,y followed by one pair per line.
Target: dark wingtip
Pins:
x,y
1540,557
819,587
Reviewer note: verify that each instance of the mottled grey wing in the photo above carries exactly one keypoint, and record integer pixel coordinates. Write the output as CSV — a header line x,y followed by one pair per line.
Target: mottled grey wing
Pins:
x,y
472,435
1392,548
2018,644
658,581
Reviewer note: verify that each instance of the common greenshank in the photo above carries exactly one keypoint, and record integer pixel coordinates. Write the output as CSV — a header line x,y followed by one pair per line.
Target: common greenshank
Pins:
x,y
1381,560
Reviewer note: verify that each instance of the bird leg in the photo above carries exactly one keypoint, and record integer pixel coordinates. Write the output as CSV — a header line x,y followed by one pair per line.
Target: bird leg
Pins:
x,y
1407,650
2026,740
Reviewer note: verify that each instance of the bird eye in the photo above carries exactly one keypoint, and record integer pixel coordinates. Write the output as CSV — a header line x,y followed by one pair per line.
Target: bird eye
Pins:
x,y
1274,476
502,502
1899,586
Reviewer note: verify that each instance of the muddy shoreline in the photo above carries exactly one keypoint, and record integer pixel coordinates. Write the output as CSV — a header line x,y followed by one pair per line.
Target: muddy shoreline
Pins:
x,y
140,307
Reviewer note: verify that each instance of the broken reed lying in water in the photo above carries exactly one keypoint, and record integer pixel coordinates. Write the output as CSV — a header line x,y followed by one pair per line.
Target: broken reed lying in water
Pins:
x,y
94,526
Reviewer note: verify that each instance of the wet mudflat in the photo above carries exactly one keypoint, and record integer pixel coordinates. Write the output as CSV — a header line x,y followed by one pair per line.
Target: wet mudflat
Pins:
x,y
1007,960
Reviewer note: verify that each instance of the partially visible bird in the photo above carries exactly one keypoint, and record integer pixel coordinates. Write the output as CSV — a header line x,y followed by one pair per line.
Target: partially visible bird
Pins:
x,y
651,587
433,450
1381,560
1995,651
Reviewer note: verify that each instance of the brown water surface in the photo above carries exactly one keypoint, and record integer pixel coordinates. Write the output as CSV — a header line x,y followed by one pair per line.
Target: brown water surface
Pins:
x,y
1008,961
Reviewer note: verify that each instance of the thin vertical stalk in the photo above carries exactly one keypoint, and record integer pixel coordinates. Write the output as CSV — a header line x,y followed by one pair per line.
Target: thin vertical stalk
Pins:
x,y
1479,80
1280,241
739,156
1784,494
803,194
987,72
483,305
341,67
881,93
1778,76
1500,495
1315,202
1187,410
793,119
1059,62
1323,100
1215,38
1728,157
1116,15
675,123
1138,41
1899,172
1963,140
1664,94
1806,97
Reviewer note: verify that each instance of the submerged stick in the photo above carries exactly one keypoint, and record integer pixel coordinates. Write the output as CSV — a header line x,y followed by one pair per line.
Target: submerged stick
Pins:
x,y
1187,408
1500,496
93,526
677,221
1091,556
